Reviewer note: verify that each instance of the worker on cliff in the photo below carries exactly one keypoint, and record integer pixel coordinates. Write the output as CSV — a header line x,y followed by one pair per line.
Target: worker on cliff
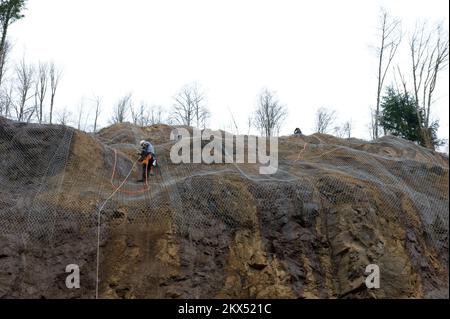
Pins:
x,y
147,159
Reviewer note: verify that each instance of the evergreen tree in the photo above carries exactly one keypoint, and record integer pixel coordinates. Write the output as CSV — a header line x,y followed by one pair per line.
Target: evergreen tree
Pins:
x,y
399,117
10,11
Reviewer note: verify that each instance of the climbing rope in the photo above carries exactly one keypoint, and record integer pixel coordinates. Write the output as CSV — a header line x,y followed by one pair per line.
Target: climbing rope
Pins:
x,y
143,190
99,225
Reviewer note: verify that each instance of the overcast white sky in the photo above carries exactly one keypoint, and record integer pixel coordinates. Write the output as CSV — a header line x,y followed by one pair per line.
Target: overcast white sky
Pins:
x,y
313,53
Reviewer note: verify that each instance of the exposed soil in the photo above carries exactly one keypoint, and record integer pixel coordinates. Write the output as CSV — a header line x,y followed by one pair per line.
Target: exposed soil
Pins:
x,y
222,230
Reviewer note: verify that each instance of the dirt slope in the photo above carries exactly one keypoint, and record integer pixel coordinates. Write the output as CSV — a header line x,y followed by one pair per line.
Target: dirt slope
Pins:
x,y
222,230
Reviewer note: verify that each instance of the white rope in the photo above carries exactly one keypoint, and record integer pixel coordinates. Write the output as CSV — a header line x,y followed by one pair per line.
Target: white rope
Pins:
x,y
98,225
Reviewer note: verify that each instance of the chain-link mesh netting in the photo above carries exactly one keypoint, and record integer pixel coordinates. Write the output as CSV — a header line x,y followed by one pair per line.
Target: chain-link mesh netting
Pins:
x,y
63,193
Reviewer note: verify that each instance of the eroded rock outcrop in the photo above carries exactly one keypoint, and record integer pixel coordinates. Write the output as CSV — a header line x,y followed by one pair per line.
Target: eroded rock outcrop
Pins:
x,y
219,231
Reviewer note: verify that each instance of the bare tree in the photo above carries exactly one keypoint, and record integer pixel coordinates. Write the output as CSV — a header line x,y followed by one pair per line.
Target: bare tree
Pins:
x,y
390,38
154,115
269,114
402,79
55,77
429,51
201,113
204,116
41,89
4,55
249,124
97,112
189,107
24,83
64,116
324,119
136,114
183,109
145,116
371,125
121,109
234,124
347,129
80,114
159,116
344,131
6,100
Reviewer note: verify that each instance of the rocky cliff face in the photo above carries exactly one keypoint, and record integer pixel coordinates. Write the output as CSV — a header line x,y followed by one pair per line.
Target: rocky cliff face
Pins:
x,y
221,230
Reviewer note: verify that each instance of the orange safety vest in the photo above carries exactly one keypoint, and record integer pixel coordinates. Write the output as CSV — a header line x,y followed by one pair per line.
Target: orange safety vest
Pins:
x,y
147,159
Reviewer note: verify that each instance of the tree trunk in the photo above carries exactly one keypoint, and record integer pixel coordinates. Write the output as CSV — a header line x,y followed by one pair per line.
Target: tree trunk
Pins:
x,y
51,107
3,42
380,84
427,140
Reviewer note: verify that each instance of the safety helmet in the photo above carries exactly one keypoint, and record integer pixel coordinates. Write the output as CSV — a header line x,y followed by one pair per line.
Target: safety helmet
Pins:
x,y
142,142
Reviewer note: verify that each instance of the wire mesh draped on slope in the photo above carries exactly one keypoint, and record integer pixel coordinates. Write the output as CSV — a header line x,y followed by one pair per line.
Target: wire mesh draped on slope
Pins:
x,y
41,177
32,161
396,182
55,181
